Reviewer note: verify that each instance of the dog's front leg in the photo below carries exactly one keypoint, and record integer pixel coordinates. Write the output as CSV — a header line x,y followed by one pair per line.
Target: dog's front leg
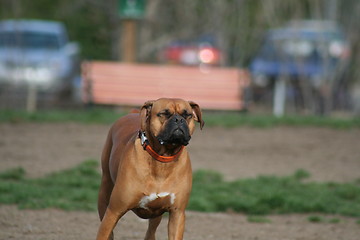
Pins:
x,y
176,224
108,223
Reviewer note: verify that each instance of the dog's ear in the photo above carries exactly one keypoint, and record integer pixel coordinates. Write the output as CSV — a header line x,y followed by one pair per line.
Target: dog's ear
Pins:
x,y
197,113
145,113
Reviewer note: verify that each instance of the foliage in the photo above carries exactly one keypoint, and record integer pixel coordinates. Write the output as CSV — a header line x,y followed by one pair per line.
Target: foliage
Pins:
x,y
88,23
237,25
77,188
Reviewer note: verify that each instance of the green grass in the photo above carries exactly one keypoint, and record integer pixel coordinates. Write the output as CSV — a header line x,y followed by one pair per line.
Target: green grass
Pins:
x,y
77,188
258,219
322,219
73,189
270,194
94,115
222,119
233,119
315,219
334,220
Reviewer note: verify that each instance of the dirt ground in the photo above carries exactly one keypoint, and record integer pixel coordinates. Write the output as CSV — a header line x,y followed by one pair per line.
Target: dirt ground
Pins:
x,y
329,155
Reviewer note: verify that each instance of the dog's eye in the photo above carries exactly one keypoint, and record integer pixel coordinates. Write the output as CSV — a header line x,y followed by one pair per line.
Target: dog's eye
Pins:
x,y
166,114
187,115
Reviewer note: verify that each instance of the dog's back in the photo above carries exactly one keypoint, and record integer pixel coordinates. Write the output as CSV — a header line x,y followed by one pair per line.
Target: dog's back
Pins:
x,y
122,131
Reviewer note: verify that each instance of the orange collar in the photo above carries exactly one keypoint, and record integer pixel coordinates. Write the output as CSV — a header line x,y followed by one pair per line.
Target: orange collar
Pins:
x,y
164,159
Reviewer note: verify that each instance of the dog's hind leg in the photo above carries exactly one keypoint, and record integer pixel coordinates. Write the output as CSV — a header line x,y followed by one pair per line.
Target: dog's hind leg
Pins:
x,y
107,185
104,197
153,224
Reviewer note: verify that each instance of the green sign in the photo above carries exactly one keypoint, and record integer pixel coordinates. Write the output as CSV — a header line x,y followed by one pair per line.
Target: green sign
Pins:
x,y
132,9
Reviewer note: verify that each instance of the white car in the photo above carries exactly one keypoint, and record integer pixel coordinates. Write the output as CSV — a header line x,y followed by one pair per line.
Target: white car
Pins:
x,y
37,52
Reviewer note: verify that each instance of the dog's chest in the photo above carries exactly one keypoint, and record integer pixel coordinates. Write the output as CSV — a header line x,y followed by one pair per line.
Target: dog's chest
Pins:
x,y
154,204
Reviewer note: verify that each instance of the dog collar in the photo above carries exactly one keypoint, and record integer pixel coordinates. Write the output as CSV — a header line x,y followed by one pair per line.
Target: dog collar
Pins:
x,y
164,159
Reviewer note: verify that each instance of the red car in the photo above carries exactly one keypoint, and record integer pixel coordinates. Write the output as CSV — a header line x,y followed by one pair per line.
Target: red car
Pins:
x,y
192,53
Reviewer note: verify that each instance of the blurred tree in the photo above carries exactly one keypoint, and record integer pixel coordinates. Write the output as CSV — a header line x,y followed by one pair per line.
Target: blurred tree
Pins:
x,y
92,23
237,25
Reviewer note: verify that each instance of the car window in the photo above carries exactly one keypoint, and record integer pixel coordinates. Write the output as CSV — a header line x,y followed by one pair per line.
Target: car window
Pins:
x,y
310,45
297,47
30,40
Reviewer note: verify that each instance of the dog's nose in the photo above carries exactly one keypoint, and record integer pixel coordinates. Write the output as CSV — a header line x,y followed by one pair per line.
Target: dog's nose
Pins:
x,y
178,119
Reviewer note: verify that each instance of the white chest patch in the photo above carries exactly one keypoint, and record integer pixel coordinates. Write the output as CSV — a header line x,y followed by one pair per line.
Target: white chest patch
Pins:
x,y
147,199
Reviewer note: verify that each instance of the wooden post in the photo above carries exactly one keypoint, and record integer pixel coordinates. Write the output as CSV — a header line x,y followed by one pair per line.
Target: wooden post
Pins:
x,y
128,40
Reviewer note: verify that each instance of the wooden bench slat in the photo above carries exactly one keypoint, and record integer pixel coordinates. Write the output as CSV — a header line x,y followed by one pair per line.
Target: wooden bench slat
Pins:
x,y
133,84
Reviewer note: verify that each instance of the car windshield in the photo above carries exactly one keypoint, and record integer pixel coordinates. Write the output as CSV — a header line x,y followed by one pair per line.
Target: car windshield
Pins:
x,y
285,47
30,40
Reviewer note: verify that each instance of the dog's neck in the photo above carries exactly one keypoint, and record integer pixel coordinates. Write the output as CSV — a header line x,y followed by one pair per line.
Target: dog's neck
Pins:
x,y
162,153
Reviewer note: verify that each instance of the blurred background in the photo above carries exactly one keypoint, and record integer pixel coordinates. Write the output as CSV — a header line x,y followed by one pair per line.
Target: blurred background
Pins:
x,y
301,56
70,68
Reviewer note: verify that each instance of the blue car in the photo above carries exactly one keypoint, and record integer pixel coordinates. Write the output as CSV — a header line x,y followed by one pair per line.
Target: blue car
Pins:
x,y
312,55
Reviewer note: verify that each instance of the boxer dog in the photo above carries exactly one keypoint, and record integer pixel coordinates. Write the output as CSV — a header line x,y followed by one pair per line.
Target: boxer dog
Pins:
x,y
146,167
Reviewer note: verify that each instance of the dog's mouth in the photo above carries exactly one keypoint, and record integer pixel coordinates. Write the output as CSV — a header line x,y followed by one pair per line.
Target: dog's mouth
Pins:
x,y
177,137
176,132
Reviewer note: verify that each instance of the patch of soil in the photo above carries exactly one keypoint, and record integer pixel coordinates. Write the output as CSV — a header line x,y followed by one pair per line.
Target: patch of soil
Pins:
x,y
329,155
59,225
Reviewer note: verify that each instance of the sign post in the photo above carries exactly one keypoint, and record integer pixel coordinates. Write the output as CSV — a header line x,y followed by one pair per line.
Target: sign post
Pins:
x,y
279,96
129,11
31,100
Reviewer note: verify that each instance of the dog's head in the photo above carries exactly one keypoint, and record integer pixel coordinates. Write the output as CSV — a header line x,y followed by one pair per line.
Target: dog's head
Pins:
x,y
170,121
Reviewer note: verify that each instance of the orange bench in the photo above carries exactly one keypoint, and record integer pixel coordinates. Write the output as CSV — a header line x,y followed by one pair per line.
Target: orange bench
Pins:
x,y
126,84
